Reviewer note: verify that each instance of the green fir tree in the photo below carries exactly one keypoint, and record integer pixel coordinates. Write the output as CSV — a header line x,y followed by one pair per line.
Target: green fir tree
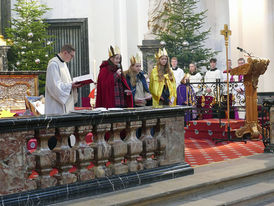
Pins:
x,y
183,35
29,39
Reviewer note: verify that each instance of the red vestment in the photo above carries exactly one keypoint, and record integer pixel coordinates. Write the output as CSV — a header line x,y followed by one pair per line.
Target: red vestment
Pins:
x,y
105,87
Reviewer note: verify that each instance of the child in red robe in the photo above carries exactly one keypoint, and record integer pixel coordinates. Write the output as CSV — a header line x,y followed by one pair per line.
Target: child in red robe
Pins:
x,y
112,88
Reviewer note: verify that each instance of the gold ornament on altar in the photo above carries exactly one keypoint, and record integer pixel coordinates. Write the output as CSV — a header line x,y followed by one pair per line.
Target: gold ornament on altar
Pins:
x,y
6,113
2,41
161,52
135,60
113,51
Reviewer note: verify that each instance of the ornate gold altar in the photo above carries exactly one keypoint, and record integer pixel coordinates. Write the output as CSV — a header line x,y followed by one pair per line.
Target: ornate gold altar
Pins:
x,y
251,71
14,86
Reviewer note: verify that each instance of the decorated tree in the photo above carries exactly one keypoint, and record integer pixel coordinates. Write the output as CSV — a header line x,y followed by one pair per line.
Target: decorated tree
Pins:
x,y
183,34
28,38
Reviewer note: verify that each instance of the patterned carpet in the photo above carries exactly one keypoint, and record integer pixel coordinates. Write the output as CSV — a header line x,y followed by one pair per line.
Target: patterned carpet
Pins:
x,y
205,151
201,149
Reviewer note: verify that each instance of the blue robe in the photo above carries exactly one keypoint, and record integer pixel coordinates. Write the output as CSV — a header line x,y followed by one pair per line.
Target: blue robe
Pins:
x,y
140,77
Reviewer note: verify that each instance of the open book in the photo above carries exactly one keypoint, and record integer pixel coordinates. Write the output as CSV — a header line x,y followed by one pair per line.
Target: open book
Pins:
x,y
84,79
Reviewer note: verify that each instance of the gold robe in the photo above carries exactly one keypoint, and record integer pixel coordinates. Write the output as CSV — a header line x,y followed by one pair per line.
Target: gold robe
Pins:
x,y
156,87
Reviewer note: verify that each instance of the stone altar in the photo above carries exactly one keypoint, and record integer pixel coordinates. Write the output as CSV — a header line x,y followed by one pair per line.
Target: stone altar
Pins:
x,y
56,170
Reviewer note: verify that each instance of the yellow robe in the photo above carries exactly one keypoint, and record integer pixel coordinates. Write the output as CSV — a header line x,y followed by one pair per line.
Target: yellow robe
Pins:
x,y
156,87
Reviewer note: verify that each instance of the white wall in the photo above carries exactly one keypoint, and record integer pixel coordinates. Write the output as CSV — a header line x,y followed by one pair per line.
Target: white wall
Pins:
x,y
217,16
252,23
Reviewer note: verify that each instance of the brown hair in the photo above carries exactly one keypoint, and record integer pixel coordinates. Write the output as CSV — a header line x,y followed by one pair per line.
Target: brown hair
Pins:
x,y
132,75
174,58
164,70
68,48
213,60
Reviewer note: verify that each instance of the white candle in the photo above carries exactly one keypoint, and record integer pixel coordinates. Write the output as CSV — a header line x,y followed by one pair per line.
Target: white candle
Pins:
x,y
94,70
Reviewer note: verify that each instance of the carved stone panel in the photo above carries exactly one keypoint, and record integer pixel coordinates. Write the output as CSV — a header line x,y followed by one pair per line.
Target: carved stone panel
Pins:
x,y
14,88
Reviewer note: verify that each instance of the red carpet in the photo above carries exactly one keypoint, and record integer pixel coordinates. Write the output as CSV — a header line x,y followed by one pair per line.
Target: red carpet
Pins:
x,y
211,128
200,149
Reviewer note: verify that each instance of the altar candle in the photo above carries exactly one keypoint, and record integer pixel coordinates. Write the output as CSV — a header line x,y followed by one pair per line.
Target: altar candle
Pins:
x,y
94,70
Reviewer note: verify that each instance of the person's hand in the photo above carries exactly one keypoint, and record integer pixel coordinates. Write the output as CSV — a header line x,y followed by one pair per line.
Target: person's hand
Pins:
x,y
76,84
140,101
128,92
239,90
162,98
148,97
208,90
119,71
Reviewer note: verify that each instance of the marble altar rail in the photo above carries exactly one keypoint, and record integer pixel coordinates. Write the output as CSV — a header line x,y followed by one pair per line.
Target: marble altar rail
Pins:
x,y
60,169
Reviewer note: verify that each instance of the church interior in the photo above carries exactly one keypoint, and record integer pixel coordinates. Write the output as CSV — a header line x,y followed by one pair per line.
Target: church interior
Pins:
x,y
140,102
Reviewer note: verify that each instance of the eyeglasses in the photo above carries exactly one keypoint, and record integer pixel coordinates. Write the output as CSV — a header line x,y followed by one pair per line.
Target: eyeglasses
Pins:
x,y
71,55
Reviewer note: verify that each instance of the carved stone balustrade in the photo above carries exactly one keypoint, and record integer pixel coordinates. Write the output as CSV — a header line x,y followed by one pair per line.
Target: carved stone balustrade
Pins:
x,y
48,159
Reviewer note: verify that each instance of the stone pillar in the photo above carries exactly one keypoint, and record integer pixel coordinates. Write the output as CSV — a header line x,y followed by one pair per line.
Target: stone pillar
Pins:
x,y
118,149
3,58
101,149
134,146
85,154
149,144
160,136
46,159
66,156
149,48
5,15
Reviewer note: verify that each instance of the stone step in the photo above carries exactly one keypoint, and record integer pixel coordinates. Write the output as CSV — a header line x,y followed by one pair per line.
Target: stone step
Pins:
x,y
233,177
239,193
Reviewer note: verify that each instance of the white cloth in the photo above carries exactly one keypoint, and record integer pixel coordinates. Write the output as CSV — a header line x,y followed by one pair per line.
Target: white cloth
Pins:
x,y
178,74
211,76
239,96
225,84
196,79
59,95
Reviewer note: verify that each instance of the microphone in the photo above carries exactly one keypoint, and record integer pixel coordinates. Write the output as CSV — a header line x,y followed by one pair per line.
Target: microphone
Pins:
x,y
241,50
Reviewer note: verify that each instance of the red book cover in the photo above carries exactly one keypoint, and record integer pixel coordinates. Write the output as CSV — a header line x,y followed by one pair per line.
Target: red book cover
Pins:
x,y
84,79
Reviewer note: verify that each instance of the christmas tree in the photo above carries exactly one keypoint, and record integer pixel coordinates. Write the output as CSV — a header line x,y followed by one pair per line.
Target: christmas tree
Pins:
x,y
28,38
183,36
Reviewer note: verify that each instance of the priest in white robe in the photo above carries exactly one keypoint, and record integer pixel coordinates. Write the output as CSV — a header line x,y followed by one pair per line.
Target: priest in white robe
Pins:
x,y
211,76
178,72
211,90
61,92
195,77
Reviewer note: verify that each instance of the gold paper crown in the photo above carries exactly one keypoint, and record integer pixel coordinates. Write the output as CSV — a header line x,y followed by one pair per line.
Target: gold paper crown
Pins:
x,y
112,52
161,52
134,60
187,75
